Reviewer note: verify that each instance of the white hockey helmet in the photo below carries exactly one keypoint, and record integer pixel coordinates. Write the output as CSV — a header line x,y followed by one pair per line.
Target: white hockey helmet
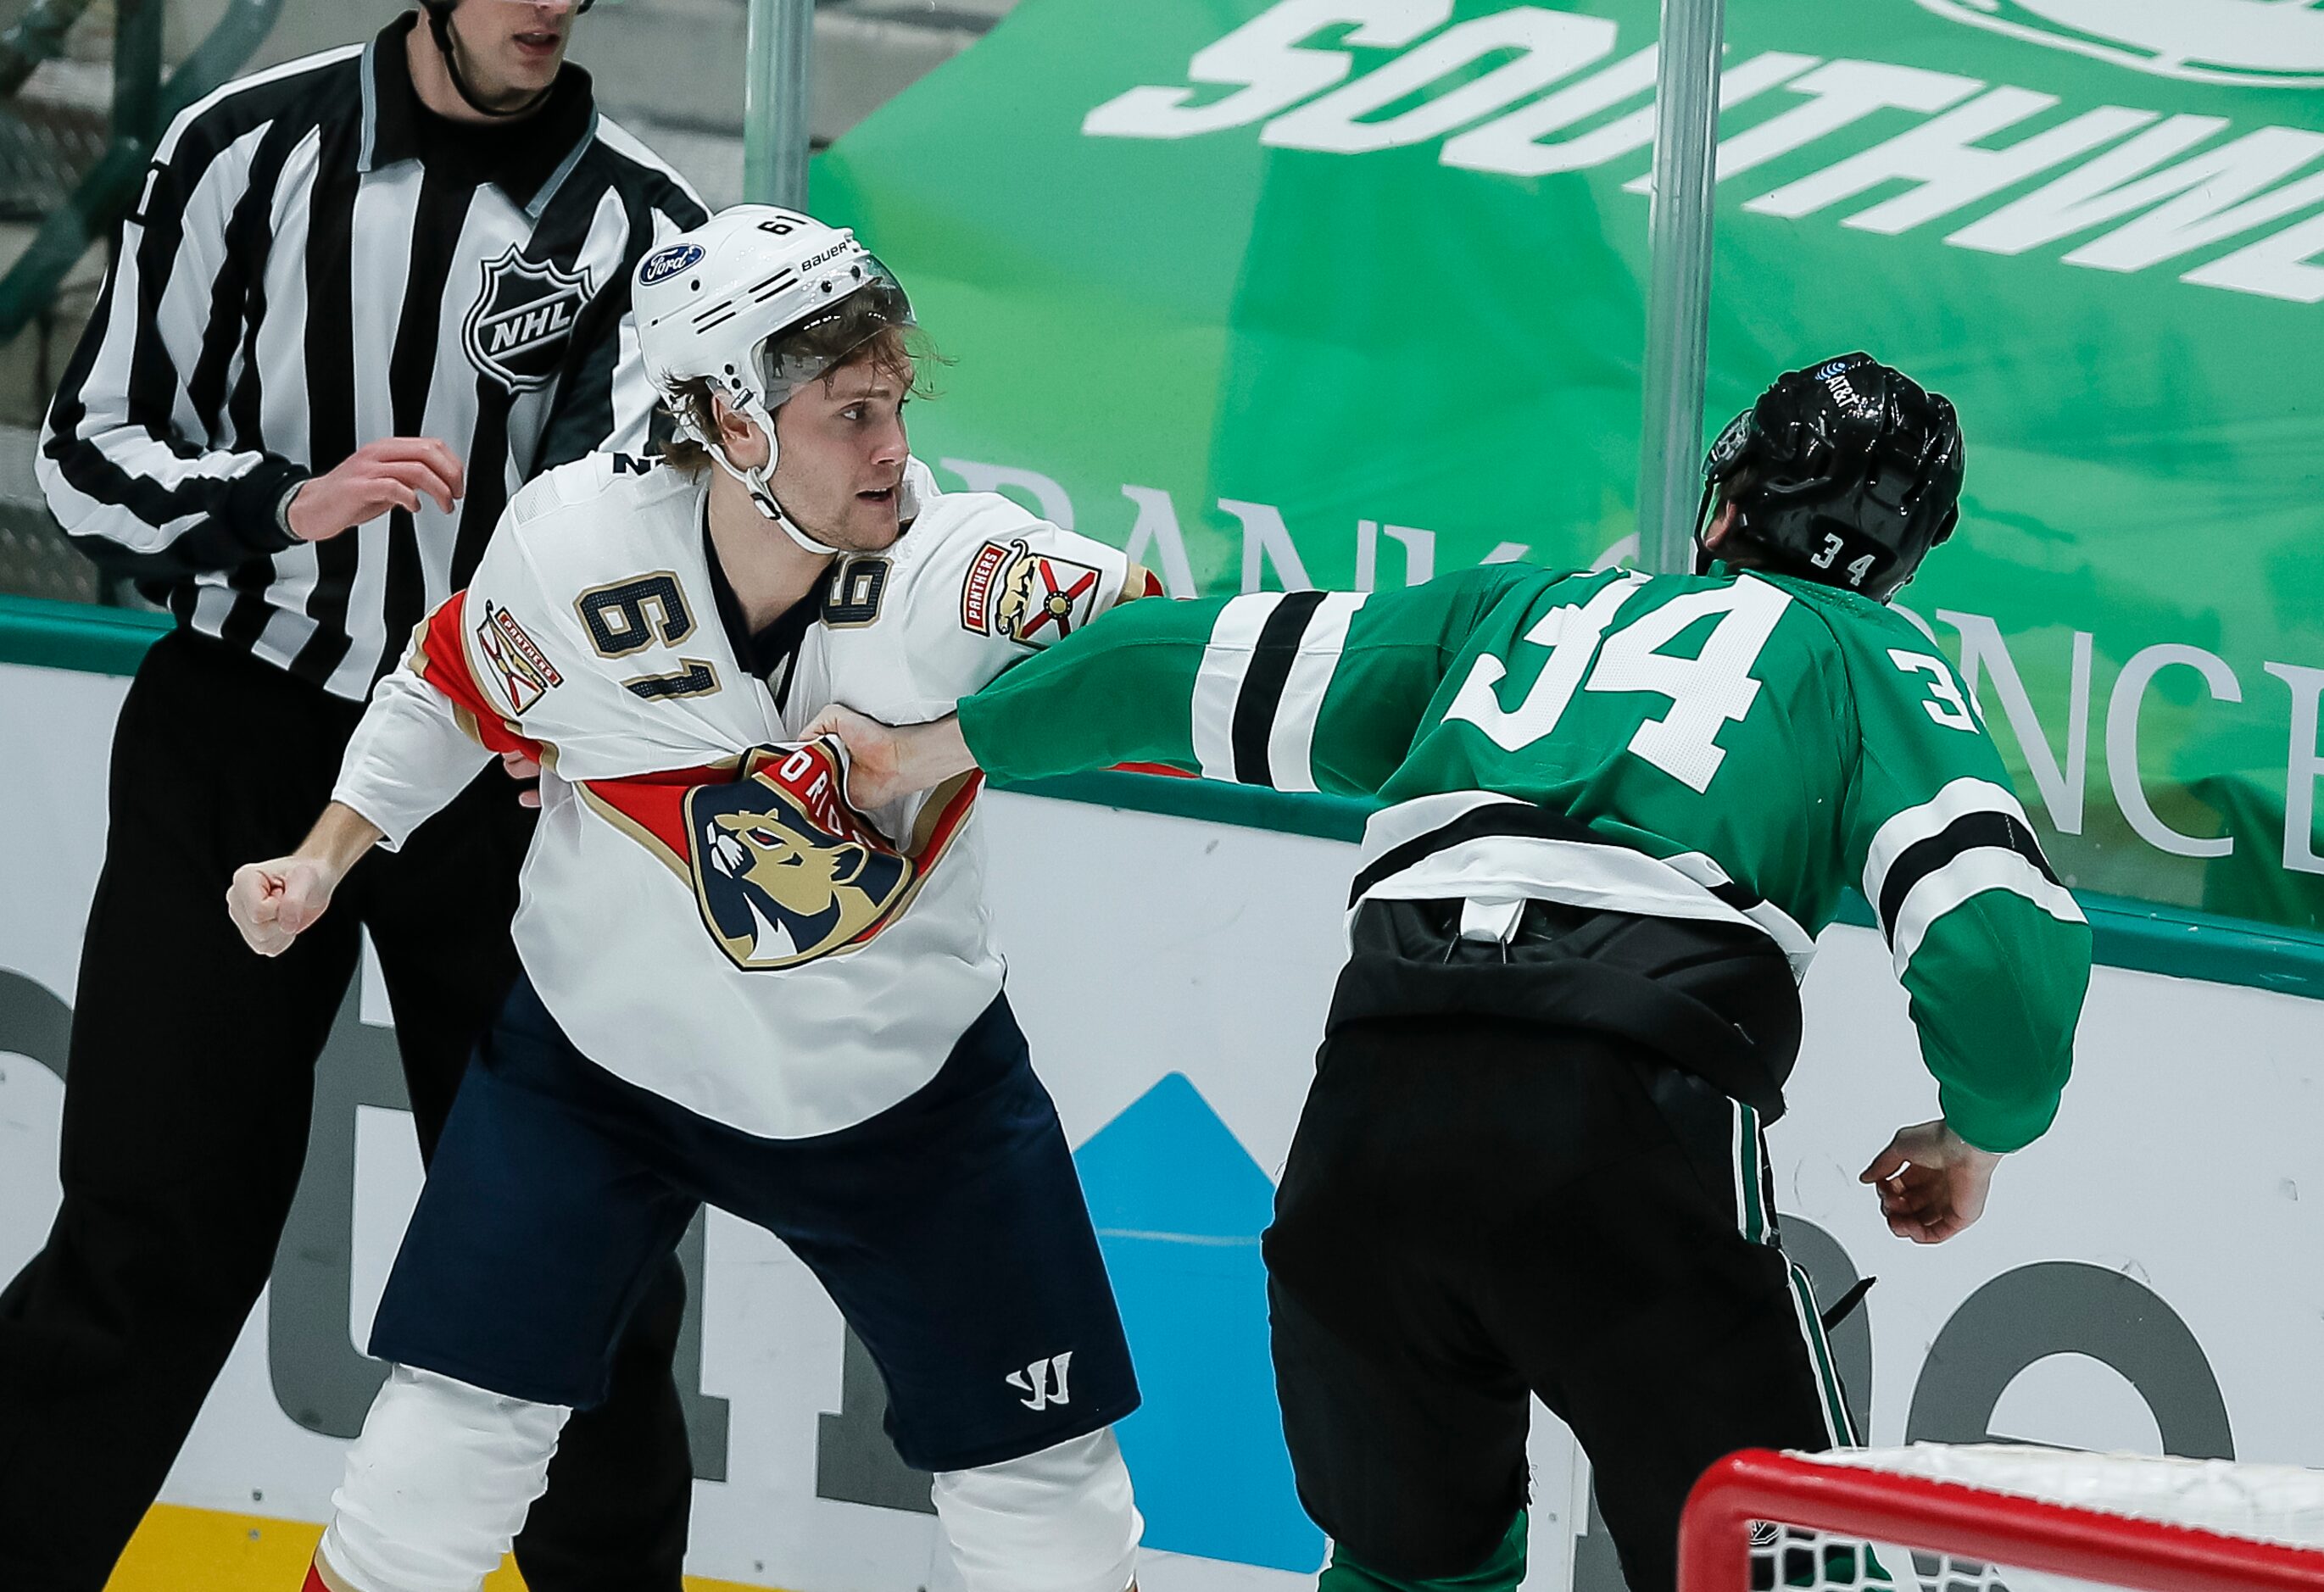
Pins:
x,y
722,304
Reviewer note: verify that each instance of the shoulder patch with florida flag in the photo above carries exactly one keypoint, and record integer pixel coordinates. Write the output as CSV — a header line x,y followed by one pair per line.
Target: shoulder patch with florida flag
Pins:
x,y
1026,596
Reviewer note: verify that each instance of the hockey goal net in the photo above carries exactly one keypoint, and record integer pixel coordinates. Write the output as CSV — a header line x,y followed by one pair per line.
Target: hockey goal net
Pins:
x,y
1961,1518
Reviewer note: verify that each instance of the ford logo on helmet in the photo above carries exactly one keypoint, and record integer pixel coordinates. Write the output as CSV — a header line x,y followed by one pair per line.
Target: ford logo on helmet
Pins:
x,y
661,267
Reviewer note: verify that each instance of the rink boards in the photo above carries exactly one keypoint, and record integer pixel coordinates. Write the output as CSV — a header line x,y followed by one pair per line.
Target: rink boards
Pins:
x,y
2145,1279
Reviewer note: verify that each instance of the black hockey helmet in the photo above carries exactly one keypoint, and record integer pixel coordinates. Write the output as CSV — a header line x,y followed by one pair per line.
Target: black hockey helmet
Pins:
x,y
1845,473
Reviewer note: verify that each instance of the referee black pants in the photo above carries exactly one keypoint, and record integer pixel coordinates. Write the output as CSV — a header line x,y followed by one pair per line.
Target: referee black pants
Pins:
x,y
1478,1206
186,1100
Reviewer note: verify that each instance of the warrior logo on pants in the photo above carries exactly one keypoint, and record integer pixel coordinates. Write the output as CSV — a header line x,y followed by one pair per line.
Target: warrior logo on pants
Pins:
x,y
1045,1380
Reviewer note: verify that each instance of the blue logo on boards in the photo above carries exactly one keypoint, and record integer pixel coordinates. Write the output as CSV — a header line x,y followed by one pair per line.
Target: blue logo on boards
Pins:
x,y
661,267
1180,1205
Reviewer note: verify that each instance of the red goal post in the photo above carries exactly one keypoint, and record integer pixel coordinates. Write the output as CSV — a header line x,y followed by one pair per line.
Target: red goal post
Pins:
x,y
1978,1510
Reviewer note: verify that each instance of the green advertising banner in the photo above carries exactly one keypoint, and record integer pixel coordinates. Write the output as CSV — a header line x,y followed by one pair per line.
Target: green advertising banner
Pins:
x,y
1345,292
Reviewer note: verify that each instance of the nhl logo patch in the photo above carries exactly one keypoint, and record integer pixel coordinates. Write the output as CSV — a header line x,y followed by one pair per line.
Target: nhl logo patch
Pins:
x,y
518,329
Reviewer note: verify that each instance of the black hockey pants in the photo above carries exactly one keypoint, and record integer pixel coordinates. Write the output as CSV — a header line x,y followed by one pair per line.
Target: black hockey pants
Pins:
x,y
1481,1204
186,1112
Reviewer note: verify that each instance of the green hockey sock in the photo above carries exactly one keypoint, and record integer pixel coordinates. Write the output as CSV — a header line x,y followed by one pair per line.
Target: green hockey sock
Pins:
x,y
1500,1572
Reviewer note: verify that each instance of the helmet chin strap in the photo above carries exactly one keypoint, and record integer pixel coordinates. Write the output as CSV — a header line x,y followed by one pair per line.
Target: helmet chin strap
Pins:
x,y
760,484
1703,554
439,28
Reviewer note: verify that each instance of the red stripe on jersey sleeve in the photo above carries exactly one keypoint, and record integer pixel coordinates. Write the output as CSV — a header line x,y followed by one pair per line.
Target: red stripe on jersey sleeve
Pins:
x,y
443,663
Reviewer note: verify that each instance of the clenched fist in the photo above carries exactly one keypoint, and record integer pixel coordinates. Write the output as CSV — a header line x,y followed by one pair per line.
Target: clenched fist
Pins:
x,y
886,764
272,902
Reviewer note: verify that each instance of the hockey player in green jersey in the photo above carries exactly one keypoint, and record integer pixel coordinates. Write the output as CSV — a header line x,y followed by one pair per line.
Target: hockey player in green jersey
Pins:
x,y
1616,811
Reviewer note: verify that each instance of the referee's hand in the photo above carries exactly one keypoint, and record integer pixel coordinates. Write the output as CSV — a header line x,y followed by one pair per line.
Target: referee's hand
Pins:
x,y
392,472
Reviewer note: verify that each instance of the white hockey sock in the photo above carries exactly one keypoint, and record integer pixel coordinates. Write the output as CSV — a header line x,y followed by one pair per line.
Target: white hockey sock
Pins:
x,y
438,1485
1059,1520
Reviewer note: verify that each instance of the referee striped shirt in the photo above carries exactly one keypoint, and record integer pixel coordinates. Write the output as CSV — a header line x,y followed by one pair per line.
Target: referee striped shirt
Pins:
x,y
316,262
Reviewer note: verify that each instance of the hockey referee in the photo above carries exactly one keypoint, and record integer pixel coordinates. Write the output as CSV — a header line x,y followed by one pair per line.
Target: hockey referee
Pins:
x,y
362,298
1618,808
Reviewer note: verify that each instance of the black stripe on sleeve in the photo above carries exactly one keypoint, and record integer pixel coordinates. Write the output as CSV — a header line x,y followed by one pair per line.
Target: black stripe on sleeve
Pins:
x,y
246,620
646,188
237,306
149,396
330,386
1271,658
582,419
1978,830
238,294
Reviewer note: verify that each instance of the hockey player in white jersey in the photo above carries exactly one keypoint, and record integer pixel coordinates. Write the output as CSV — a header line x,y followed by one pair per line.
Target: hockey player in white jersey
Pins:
x,y
736,991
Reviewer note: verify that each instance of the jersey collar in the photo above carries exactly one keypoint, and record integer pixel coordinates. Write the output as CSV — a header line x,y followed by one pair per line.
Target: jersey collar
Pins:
x,y
520,158
771,651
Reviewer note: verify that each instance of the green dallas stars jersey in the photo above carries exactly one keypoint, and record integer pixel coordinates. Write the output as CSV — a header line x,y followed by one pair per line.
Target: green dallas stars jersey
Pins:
x,y
1733,746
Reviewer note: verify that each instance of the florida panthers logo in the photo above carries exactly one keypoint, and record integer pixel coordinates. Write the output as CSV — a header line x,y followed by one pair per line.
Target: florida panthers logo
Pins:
x,y
782,868
783,871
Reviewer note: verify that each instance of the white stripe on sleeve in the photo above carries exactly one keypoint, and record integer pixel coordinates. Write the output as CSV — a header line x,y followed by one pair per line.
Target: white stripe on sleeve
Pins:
x,y
1908,828
1218,682
1291,743
1972,873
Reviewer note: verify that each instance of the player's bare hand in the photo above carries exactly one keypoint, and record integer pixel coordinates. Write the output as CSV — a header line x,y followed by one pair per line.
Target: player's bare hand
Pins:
x,y
393,472
873,750
272,903
526,772
886,764
1933,1183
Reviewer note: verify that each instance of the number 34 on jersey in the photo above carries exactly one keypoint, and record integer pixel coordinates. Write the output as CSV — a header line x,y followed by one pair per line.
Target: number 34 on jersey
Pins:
x,y
1711,688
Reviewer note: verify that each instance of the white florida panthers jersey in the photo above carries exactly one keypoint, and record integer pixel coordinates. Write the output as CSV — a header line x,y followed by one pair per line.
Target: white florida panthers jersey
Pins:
x,y
701,910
